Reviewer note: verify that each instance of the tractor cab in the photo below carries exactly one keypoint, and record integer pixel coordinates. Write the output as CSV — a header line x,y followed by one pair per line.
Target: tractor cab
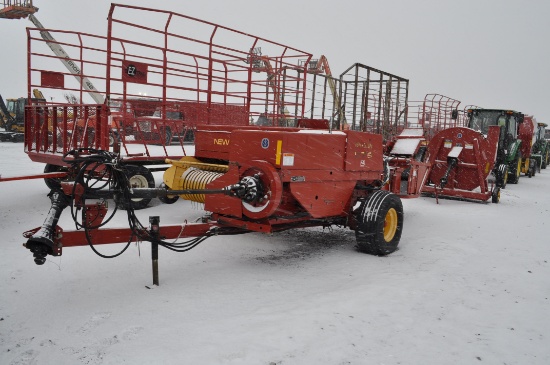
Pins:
x,y
541,146
508,159
541,131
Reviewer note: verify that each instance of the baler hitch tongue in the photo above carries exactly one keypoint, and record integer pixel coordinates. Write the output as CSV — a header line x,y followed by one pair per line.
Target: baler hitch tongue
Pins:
x,y
42,242
250,189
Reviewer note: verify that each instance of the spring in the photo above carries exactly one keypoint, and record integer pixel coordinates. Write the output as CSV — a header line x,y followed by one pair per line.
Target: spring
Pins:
x,y
193,178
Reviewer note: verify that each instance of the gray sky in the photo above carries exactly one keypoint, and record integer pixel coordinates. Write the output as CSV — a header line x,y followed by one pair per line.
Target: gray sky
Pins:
x,y
491,53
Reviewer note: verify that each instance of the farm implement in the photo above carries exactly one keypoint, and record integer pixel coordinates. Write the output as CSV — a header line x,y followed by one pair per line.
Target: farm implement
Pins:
x,y
280,143
476,158
274,179
461,161
526,134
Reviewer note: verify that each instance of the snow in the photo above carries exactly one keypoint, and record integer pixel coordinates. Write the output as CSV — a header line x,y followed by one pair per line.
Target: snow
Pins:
x,y
412,132
469,284
406,146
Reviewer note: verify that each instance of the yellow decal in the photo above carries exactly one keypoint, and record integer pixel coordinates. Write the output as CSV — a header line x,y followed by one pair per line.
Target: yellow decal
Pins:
x,y
363,145
278,153
221,141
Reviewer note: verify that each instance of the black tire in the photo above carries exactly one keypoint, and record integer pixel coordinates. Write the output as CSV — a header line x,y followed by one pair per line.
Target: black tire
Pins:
x,y
502,176
114,138
168,199
18,138
515,170
544,160
379,223
495,195
53,183
166,136
188,135
138,177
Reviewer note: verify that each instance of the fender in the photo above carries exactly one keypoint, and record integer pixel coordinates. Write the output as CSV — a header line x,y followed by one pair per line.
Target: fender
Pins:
x,y
513,151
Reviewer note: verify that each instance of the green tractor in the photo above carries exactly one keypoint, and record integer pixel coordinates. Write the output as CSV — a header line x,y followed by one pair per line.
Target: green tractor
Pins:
x,y
541,147
508,161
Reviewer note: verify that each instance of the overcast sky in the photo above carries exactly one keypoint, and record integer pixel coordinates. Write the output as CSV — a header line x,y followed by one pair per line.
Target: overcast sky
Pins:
x,y
491,53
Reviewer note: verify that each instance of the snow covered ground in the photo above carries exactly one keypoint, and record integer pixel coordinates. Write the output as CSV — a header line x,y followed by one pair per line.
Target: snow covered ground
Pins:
x,y
470,284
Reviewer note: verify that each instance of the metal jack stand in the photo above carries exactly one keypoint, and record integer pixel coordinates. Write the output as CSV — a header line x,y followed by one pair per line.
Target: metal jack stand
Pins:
x,y
154,222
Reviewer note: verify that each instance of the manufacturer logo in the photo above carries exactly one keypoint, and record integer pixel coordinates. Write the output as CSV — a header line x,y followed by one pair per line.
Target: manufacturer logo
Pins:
x,y
265,142
221,141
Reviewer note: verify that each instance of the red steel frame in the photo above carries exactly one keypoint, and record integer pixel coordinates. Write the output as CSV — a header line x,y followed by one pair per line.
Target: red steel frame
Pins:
x,y
435,113
213,74
373,100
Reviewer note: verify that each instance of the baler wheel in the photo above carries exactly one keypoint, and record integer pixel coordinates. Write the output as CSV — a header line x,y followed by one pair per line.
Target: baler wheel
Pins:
x,y
495,196
380,223
138,177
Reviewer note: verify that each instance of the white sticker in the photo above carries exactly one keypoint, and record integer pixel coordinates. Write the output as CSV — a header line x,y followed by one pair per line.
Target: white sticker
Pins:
x,y
288,159
448,144
469,146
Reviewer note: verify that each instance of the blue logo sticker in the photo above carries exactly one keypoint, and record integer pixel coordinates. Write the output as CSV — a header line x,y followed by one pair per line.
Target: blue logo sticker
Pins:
x,y
459,135
265,142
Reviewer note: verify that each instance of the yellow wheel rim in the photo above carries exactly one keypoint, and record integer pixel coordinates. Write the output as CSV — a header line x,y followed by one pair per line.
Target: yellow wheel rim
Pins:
x,y
505,178
518,170
390,224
